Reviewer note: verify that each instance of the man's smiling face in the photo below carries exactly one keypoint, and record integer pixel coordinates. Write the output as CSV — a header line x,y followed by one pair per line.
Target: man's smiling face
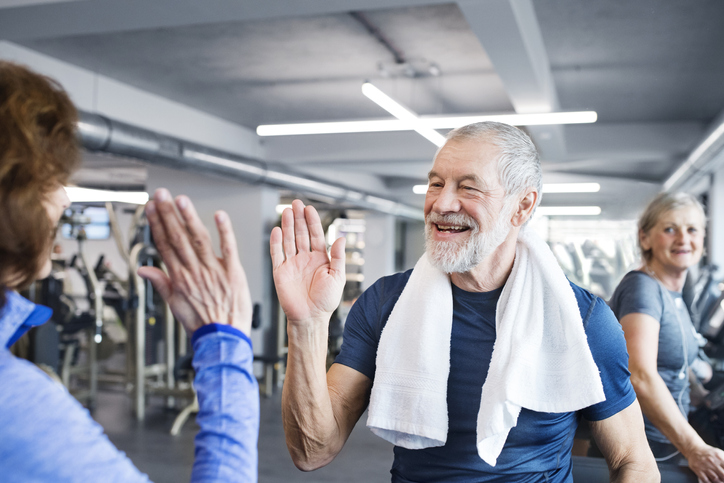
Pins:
x,y
466,217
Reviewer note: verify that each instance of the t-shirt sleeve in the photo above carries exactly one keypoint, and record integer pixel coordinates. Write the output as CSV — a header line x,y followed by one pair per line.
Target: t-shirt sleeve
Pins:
x,y
638,294
608,347
360,338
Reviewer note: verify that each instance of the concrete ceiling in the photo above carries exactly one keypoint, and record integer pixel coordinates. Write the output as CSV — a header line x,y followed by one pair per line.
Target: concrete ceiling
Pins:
x,y
652,69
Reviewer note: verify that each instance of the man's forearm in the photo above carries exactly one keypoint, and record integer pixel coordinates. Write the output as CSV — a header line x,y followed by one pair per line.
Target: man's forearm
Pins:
x,y
311,430
228,394
641,470
662,410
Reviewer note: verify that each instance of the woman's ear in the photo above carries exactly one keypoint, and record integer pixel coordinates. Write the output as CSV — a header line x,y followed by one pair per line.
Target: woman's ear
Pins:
x,y
644,241
525,207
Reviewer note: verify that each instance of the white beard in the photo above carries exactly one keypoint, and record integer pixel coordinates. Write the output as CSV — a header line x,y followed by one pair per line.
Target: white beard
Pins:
x,y
454,257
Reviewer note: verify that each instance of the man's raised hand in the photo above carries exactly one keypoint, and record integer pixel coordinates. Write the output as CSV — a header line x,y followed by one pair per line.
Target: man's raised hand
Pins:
x,y
309,282
200,287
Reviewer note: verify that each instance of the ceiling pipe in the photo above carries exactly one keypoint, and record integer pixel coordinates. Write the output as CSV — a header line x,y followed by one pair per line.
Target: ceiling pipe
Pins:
x,y
99,133
706,158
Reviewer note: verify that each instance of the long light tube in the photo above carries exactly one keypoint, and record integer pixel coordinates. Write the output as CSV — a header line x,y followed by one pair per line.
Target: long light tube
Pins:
x,y
86,195
571,187
448,122
421,189
402,113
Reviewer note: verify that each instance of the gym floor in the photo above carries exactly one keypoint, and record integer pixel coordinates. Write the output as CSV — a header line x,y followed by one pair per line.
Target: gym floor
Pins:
x,y
168,459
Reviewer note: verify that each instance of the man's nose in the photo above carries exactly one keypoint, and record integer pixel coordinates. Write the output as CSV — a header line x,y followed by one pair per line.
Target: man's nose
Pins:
x,y
447,201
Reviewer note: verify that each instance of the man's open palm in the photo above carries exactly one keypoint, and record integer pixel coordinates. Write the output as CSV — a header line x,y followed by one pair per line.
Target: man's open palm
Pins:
x,y
309,282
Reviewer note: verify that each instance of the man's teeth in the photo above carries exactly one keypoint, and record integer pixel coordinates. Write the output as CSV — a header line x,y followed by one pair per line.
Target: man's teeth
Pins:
x,y
451,228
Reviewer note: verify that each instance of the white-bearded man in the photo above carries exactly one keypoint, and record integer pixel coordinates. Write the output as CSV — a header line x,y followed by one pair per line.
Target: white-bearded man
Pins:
x,y
479,362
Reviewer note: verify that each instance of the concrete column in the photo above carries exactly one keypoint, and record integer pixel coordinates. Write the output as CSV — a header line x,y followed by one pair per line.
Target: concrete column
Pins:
x,y
716,219
252,210
414,245
379,252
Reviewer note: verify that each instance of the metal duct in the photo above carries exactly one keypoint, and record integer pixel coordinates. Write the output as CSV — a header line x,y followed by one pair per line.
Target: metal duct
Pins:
x,y
706,158
98,133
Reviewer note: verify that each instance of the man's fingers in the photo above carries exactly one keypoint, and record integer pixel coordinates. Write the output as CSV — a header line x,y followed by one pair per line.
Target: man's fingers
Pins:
x,y
160,281
301,233
315,229
337,256
227,240
159,238
290,247
199,235
275,247
176,231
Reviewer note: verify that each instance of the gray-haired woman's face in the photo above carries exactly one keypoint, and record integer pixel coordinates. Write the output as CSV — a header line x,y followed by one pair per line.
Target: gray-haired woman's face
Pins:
x,y
676,240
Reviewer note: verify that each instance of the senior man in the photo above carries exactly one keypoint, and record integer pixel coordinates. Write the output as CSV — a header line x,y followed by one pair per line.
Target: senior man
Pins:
x,y
479,362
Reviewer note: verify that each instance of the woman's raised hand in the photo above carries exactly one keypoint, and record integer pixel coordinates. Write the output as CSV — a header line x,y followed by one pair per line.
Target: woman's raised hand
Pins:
x,y
200,287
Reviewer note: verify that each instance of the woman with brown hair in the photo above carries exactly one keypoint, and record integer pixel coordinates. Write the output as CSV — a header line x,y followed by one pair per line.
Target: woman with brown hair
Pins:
x,y
45,434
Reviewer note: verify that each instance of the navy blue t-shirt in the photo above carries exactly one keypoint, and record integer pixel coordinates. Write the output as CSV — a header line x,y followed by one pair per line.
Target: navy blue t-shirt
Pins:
x,y
539,447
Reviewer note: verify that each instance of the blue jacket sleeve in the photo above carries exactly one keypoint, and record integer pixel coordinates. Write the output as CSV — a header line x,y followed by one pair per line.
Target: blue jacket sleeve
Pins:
x,y
226,446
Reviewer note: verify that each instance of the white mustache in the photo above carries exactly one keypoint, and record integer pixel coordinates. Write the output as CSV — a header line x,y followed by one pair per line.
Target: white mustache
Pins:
x,y
457,219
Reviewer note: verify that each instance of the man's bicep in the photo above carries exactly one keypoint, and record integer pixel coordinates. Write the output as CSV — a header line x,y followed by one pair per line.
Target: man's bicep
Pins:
x,y
622,441
349,392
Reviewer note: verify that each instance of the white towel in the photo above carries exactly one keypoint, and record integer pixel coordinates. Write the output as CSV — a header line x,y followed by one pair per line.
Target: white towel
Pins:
x,y
541,360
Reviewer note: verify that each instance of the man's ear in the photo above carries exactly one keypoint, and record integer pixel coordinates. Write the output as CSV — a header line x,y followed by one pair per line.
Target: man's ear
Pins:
x,y
525,207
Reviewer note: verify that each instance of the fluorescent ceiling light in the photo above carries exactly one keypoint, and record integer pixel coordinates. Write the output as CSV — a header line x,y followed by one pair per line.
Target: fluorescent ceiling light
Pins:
x,y
571,187
448,122
419,189
538,119
402,113
85,195
568,210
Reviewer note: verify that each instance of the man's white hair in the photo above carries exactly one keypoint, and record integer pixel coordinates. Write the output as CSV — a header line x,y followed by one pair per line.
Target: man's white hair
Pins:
x,y
518,165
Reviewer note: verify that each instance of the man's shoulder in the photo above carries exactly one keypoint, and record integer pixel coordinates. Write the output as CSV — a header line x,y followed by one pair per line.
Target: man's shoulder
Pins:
x,y
592,308
390,286
586,300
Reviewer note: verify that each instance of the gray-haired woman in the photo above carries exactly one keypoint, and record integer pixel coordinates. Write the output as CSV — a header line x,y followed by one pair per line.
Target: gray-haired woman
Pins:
x,y
659,334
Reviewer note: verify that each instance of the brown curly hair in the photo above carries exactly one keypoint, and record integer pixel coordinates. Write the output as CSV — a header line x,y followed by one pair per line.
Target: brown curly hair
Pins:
x,y
38,152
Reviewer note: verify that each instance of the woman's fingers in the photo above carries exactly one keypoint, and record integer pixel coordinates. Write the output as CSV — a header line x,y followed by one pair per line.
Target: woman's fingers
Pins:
x,y
160,281
175,230
199,238
160,239
227,241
